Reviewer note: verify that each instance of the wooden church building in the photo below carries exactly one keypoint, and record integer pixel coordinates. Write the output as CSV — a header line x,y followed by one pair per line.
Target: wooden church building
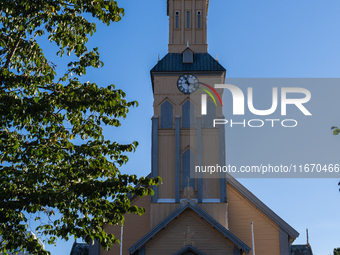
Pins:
x,y
191,214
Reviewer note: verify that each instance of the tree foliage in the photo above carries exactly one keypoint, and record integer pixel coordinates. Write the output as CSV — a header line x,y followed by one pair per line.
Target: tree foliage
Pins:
x,y
54,159
336,130
336,251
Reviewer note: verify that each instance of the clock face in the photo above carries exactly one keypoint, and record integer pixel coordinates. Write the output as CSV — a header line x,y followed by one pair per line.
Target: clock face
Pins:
x,y
187,83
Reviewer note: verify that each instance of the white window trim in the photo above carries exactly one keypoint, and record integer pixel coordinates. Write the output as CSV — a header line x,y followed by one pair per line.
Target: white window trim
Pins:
x,y
211,200
166,200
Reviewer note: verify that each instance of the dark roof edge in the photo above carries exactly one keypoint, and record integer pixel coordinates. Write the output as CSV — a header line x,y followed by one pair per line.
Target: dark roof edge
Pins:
x,y
265,209
201,213
219,227
189,248
217,72
187,49
198,53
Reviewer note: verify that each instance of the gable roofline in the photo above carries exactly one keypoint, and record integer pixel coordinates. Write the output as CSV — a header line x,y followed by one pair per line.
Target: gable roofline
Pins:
x,y
187,48
203,215
262,207
189,248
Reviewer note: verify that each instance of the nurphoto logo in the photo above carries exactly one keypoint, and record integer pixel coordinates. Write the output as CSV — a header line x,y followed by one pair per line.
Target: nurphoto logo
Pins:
x,y
239,105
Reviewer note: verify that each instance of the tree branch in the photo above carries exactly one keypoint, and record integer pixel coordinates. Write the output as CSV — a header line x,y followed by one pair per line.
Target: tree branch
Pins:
x,y
10,56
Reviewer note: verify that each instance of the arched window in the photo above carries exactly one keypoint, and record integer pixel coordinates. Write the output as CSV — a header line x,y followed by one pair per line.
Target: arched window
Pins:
x,y
211,115
188,165
188,115
166,115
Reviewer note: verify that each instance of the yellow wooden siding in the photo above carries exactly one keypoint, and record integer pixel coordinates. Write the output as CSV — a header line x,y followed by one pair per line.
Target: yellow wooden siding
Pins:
x,y
135,227
205,237
218,211
241,213
159,211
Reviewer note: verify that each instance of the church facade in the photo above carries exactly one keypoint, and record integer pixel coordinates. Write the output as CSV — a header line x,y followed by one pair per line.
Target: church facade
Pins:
x,y
189,213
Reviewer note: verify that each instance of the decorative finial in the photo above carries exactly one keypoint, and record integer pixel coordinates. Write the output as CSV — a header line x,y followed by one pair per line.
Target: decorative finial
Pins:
x,y
187,44
307,236
158,57
217,57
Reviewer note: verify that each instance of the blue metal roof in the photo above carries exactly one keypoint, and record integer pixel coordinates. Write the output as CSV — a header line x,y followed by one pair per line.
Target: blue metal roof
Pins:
x,y
301,249
201,213
173,62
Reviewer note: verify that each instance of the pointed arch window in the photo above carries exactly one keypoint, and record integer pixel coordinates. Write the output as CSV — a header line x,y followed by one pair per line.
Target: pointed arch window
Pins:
x,y
188,56
188,165
211,115
166,115
188,115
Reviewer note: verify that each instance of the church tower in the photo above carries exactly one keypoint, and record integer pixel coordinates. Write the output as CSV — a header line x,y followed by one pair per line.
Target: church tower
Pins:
x,y
182,137
193,211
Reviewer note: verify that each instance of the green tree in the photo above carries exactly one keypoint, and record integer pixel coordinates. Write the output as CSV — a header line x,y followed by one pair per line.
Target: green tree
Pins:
x,y
43,171
336,251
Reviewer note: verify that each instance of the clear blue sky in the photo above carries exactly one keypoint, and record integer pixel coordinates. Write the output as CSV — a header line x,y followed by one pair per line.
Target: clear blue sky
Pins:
x,y
277,39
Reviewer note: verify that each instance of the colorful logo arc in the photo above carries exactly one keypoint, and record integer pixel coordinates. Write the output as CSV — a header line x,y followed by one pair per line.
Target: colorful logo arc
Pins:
x,y
209,93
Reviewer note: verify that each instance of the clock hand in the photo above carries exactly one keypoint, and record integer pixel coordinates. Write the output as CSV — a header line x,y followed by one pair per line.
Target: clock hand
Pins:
x,y
186,81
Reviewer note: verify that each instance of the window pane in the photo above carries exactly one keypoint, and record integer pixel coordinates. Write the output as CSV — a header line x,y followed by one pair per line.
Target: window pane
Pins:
x,y
198,19
187,57
188,19
188,115
177,19
166,115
